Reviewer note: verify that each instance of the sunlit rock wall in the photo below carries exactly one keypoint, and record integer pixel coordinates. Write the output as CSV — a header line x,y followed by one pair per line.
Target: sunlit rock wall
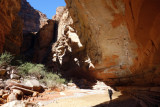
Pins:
x,y
120,37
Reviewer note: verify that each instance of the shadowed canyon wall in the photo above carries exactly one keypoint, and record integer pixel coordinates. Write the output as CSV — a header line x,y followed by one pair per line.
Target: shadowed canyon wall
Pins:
x,y
33,19
18,20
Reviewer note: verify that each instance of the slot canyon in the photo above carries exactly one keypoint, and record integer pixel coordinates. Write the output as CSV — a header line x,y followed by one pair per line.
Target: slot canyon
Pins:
x,y
114,41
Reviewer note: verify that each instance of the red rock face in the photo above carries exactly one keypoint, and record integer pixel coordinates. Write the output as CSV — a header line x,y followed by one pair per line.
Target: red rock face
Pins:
x,y
9,19
143,20
33,19
11,25
121,39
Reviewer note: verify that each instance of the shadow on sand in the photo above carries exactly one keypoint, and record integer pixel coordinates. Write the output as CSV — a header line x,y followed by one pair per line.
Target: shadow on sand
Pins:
x,y
121,101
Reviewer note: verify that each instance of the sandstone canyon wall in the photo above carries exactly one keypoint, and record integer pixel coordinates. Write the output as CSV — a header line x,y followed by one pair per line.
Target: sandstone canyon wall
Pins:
x,y
118,43
33,19
10,26
121,39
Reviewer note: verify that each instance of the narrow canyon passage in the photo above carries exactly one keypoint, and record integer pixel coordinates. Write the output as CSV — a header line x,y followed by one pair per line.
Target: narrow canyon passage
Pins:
x,y
113,41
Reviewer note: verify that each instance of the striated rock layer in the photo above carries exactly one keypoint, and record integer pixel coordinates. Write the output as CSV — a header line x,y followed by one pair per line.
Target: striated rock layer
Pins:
x,y
10,26
33,19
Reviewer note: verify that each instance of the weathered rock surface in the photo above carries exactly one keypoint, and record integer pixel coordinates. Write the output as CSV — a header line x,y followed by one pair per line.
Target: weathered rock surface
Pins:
x,y
33,19
2,72
59,13
5,96
14,76
120,38
12,97
10,26
115,41
2,101
30,86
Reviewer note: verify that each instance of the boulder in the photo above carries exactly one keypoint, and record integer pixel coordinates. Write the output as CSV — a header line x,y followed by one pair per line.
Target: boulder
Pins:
x,y
2,84
9,68
6,91
12,97
17,103
28,85
2,101
24,90
5,96
1,92
34,84
11,83
14,71
2,72
14,76
19,93
71,84
35,94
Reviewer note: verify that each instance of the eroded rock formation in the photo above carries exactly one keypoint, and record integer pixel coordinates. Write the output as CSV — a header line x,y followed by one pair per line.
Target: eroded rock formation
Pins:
x,y
119,44
120,38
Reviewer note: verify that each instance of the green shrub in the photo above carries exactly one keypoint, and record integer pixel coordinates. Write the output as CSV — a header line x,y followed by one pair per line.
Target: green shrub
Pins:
x,y
52,80
37,70
6,58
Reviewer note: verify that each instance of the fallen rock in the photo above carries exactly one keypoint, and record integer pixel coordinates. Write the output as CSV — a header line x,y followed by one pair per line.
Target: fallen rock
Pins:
x,y
14,76
9,68
2,84
2,72
5,96
1,92
12,97
11,83
35,84
28,85
71,84
19,93
18,104
24,90
2,101
35,94
6,91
